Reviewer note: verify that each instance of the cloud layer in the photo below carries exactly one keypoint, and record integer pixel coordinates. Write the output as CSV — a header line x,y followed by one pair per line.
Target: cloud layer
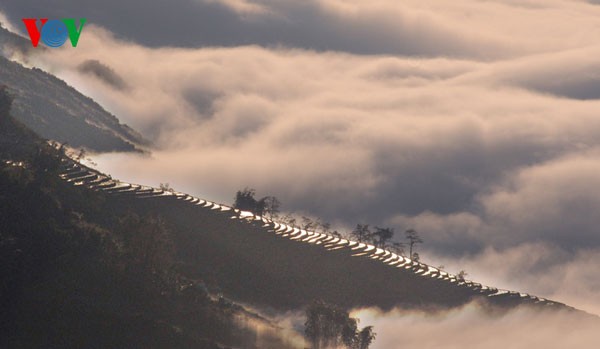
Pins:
x,y
473,122
465,28
474,327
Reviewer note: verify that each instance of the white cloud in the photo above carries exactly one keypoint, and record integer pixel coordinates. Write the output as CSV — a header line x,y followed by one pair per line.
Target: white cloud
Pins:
x,y
491,156
538,268
474,326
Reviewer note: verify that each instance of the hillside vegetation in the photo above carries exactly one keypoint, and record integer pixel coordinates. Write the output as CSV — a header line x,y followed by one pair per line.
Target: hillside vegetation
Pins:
x,y
57,111
75,273
87,261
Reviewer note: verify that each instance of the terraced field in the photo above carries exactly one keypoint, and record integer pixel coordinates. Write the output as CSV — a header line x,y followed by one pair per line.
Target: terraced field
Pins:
x,y
264,262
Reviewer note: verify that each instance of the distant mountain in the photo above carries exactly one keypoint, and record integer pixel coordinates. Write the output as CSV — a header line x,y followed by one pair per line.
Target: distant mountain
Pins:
x,y
55,110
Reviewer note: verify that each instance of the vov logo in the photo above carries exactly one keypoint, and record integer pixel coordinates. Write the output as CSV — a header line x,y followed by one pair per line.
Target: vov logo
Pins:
x,y
54,32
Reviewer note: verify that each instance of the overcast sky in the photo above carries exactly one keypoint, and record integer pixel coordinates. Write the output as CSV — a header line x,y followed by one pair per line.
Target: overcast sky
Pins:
x,y
474,122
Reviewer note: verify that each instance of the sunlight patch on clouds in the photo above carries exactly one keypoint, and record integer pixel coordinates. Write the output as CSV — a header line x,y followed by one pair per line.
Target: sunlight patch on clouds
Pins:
x,y
243,7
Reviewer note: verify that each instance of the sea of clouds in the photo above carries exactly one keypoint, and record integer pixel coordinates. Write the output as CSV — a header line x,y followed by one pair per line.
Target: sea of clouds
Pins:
x,y
475,123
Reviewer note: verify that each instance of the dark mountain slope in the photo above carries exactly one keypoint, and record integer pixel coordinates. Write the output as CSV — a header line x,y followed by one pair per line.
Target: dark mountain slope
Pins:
x,y
54,110
87,261
10,42
76,273
262,262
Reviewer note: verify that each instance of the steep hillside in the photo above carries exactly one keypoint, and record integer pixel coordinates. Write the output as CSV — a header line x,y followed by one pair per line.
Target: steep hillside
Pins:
x,y
75,273
89,261
262,262
54,110
10,42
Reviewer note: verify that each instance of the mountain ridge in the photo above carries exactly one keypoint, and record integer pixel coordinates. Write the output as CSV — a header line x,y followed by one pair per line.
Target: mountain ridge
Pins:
x,y
461,290
57,111
73,273
81,234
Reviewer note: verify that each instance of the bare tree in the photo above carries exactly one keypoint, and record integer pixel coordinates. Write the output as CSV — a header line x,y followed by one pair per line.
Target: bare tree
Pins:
x,y
336,234
245,201
308,224
362,233
382,236
326,228
413,238
81,155
270,206
289,219
397,248
166,187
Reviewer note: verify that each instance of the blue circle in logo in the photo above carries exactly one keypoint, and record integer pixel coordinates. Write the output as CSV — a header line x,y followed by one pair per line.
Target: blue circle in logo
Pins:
x,y
54,33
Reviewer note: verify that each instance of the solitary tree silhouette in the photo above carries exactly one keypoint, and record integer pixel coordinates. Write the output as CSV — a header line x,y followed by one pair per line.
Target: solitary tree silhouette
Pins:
x,y
245,200
267,206
413,238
